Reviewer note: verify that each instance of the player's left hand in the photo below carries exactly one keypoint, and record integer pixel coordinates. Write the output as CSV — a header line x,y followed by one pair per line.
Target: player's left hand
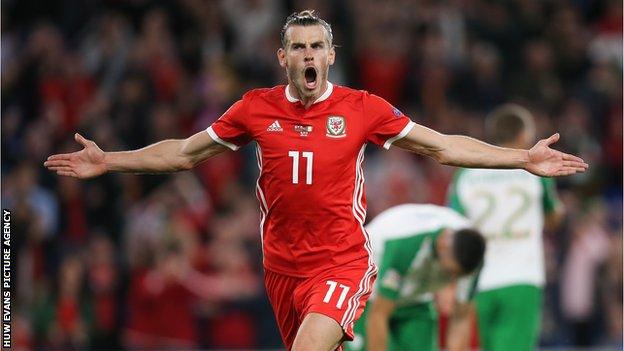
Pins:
x,y
546,162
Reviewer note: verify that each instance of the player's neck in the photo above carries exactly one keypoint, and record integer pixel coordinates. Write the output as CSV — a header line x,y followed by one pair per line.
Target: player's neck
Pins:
x,y
307,101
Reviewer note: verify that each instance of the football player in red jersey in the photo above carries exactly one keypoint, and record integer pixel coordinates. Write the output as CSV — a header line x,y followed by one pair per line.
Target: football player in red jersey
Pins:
x,y
310,137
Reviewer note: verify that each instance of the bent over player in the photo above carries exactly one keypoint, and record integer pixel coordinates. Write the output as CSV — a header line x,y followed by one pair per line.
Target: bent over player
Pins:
x,y
420,249
310,137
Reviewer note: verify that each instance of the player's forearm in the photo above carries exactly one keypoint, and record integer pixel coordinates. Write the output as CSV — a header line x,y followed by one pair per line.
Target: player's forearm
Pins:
x,y
376,332
161,157
463,151
458,334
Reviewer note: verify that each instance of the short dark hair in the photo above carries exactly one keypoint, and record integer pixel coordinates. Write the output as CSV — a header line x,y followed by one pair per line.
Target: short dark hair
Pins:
x,y
468,249
305,18
506,122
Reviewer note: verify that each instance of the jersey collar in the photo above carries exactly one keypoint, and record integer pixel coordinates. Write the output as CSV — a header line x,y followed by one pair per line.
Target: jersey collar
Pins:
x,y
323,97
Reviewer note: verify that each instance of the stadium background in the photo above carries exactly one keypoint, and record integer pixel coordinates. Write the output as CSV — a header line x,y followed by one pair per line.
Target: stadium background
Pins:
x,y
101,263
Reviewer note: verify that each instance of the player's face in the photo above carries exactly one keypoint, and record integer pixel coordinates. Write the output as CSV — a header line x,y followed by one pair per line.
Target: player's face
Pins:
x,y
450,265
445,254
306,58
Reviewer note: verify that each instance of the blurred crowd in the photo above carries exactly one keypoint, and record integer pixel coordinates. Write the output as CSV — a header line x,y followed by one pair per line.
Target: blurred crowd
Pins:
x,y
142,262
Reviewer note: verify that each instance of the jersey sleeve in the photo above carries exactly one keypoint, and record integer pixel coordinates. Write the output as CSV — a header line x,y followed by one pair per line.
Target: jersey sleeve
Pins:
x,y
230,129
397,257
550,200
391,270
385,124
453,199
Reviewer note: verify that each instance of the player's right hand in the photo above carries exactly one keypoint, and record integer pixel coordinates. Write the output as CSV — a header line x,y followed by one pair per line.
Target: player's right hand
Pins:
x,y
83,164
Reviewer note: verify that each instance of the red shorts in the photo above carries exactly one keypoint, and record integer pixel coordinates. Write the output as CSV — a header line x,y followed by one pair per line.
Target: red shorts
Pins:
x,y
339,293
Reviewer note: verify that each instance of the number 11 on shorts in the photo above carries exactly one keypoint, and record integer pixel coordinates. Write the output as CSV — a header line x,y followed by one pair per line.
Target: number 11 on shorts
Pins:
x,y
332,287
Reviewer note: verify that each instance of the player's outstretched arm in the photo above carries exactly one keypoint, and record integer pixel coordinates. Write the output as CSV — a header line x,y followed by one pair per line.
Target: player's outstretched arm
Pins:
x,y
463,151
164,156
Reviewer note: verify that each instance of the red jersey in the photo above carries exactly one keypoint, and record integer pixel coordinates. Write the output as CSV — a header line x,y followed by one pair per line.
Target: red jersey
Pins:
x,y
311,183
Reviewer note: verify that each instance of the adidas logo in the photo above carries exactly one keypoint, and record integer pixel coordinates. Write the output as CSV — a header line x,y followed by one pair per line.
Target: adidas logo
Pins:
x,y
275,127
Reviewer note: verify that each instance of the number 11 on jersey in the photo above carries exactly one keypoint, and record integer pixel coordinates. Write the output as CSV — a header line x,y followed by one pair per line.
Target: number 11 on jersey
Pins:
x,y
309,156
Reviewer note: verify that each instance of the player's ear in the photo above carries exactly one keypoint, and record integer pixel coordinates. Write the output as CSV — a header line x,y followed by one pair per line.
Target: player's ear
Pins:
x,y
332,55
281,57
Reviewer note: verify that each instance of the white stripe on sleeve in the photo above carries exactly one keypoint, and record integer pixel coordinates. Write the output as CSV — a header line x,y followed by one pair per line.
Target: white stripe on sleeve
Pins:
x,y
403,133
216,138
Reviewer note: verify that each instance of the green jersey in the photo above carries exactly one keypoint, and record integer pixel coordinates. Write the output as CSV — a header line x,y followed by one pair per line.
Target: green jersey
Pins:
x,y
403,241
508,207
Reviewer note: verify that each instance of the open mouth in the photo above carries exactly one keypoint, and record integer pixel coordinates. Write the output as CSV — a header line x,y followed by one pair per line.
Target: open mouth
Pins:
x,y
310,77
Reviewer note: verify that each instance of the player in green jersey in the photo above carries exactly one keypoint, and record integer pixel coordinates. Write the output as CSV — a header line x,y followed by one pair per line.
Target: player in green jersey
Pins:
x,y
420,249
510,208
